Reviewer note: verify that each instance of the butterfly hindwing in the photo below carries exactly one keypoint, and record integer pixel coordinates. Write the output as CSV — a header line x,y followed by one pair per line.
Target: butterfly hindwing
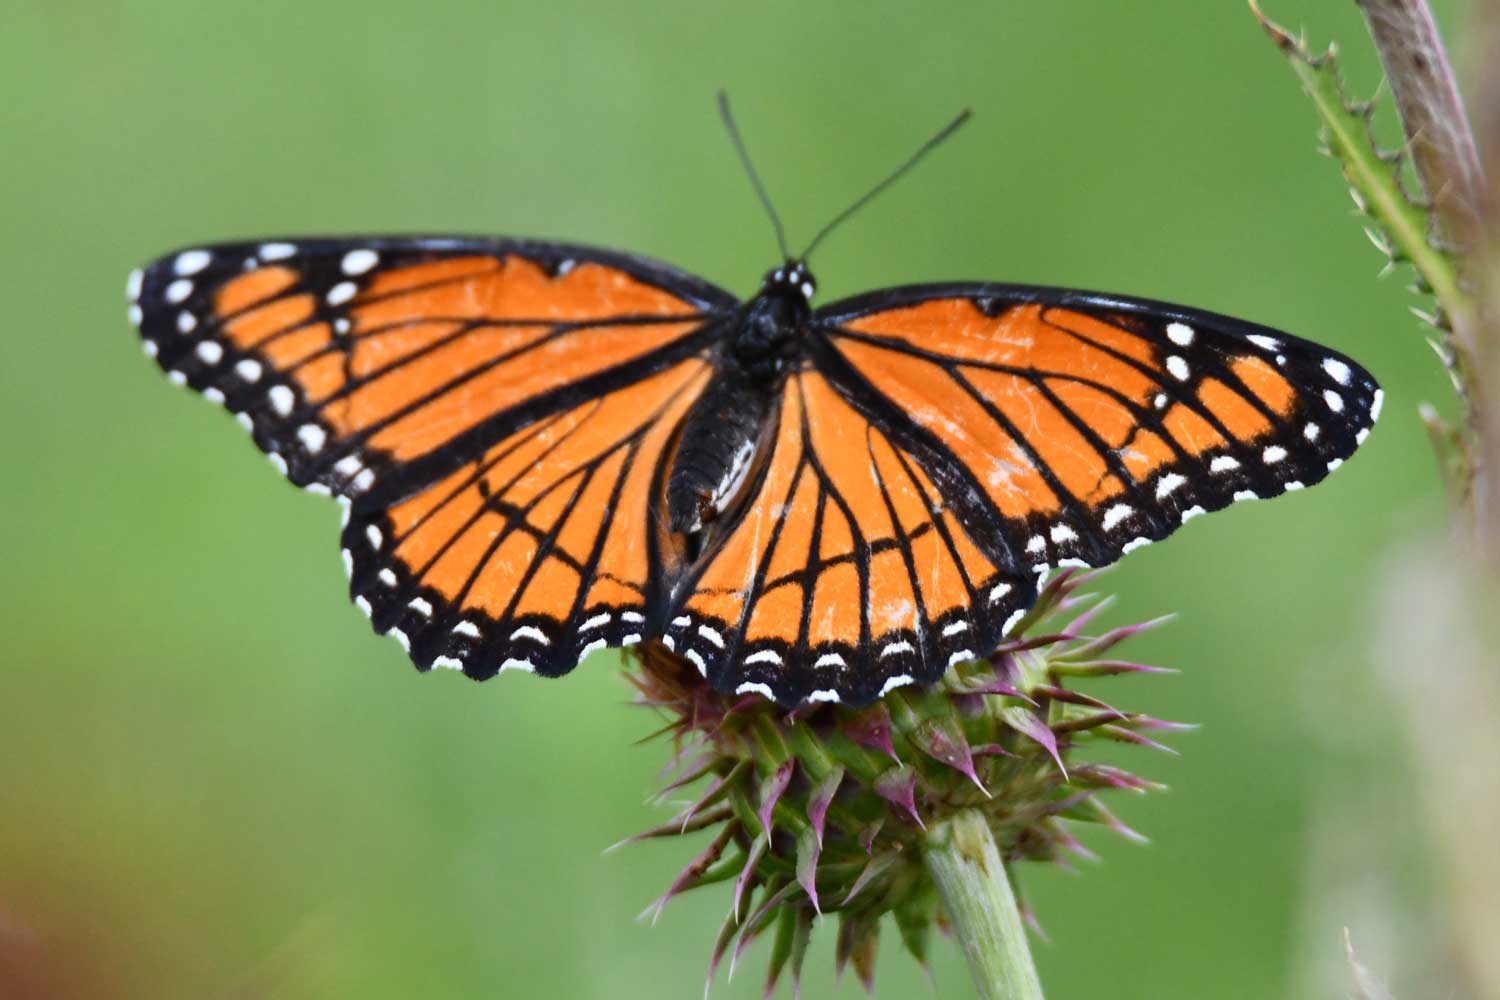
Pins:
x,y
1090,424
535,552
848,575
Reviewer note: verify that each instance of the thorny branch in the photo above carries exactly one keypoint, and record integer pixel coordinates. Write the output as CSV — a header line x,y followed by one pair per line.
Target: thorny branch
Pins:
x,y
1447,160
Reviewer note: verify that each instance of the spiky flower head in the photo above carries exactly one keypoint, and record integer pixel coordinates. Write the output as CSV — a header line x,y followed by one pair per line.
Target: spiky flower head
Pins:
x,y
825,809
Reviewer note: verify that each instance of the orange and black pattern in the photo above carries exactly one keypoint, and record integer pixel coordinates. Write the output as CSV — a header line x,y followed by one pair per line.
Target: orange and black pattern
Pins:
x,y
501,420
849,574
1090,424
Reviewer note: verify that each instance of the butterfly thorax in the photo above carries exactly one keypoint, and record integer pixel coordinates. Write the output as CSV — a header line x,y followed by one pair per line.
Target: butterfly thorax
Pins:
x,y
767,337
724,430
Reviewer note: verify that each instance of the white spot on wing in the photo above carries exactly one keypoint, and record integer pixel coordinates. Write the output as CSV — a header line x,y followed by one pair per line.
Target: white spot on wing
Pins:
x,y
1062,533
1180,334
594,622
359,261
1273,454
467,628
1191,513
961,656
186,322
1010,622
1166,484
711,635
956,628
530,632
1268,343
133,284
1334,400
764,656
1179,368
1133,544
998,591
375,537
1376,402
179,290
1223,463
1337,370
1115,515
447,663
341,293
277,251
825,695
248,369
421,607
830,660
900,680
210,351
754,687
281,399
190,262
893,648
312,437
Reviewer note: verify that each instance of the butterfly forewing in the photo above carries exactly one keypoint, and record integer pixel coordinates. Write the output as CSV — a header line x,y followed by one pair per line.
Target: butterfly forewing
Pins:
x,y
1087,425
354,361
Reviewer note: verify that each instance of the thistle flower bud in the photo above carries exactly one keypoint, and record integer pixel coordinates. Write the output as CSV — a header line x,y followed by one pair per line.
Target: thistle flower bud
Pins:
x,y
825,809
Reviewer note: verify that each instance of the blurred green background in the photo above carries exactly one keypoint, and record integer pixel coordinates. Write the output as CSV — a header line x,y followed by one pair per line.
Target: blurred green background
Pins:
x,y
216,782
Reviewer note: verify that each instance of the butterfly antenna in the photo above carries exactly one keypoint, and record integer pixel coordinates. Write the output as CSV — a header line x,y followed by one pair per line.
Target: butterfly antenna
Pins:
x,y
760,189
896,175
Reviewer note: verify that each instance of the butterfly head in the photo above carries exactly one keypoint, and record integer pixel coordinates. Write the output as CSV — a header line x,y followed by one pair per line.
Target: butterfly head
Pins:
x,y
792,276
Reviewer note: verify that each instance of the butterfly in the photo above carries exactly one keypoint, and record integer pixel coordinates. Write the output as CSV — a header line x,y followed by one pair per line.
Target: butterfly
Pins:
x,y
545,449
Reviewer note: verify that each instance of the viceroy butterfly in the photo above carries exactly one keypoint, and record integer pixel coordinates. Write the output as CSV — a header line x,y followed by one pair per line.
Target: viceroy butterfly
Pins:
x,y
546,449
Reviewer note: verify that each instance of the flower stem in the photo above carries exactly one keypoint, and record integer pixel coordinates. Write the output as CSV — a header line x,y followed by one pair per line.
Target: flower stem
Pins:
x,y
970,875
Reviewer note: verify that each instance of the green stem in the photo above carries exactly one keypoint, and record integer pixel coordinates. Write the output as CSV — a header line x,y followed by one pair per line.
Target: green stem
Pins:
x,y
962,858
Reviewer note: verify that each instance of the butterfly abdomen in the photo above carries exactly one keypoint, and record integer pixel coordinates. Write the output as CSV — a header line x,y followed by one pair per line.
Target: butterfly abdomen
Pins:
x,y
716,449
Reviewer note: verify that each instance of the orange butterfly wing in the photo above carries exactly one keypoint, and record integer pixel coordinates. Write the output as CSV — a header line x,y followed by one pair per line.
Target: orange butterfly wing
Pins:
x,y
351,360
495,413
848,575
1089,424
948,445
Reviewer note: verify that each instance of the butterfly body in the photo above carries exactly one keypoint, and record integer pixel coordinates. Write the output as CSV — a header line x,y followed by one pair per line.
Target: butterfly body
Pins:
x,y
725,429
546,449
